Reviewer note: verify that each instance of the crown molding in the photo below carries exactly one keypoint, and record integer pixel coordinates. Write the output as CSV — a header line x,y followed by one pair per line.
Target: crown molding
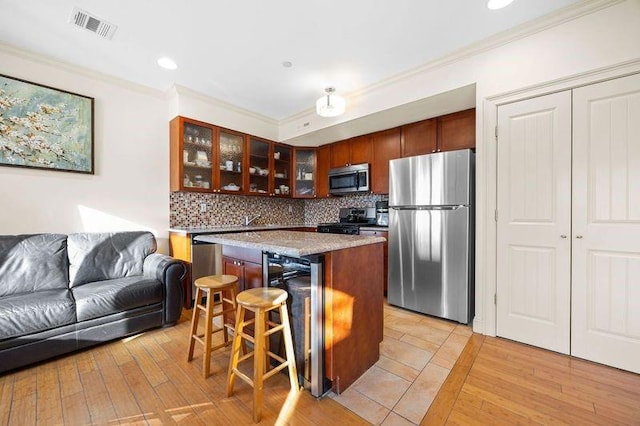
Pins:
x,y
521,31
76,69
182,90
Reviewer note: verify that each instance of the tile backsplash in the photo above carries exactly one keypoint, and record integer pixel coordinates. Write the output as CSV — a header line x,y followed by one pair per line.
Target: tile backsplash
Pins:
x,y
222,210
326,209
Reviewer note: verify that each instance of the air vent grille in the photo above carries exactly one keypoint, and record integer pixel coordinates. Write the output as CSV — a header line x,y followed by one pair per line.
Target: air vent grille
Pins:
x,y
92,23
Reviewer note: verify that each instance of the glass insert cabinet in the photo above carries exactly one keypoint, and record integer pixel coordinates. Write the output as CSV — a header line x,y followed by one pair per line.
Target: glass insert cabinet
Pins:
x,y
208,158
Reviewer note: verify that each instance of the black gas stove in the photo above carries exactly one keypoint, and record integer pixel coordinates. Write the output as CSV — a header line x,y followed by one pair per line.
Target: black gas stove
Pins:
x,y
351,219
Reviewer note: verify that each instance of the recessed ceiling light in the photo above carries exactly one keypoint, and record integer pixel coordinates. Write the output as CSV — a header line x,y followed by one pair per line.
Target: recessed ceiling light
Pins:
x,y
498,4
287,64
167,63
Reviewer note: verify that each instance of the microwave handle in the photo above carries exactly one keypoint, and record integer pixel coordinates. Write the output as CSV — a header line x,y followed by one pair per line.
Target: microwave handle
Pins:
x,y
362,176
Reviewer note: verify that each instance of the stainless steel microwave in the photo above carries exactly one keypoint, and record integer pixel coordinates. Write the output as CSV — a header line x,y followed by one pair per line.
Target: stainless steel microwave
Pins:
x,y
349,179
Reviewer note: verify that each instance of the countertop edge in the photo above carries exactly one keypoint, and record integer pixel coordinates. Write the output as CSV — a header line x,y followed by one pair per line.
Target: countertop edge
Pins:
x,y
286,250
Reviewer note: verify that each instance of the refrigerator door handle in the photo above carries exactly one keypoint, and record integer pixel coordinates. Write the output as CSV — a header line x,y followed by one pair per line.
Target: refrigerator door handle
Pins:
x,y
427,207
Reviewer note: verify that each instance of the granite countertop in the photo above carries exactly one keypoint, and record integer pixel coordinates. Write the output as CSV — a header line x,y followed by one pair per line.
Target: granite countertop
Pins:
x,y
290,243
235,228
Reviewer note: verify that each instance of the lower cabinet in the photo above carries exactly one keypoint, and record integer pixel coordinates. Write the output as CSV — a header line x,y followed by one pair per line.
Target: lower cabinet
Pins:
x,y
246,264
385,251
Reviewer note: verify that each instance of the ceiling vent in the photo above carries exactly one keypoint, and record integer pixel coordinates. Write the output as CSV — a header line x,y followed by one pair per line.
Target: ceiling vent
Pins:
x,y
98,26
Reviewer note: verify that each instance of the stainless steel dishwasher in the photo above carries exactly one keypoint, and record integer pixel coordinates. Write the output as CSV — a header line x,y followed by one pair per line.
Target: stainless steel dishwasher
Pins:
x,y
206,259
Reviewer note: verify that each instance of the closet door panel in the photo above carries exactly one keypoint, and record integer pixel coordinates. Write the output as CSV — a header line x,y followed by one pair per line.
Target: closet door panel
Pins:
x,y
606,223
534,213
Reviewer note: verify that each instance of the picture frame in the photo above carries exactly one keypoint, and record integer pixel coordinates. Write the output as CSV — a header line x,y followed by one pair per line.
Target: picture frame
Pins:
x,y
42,127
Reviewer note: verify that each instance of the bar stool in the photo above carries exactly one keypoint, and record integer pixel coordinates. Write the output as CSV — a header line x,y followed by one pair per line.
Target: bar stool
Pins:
x,y
261,301
226,286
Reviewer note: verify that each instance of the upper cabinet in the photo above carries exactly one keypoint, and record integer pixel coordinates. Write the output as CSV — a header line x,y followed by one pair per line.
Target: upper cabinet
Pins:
x,y
192,155
207,158
259,167
420,138
457,130
352,151
231,152
305,172
323,162
446,133
386,146
282,161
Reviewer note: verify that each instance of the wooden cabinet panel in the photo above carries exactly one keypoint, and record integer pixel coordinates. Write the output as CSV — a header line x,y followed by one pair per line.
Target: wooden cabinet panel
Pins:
x,y
246,264
457,130
419,138
385,260
386,146
353,313
180,248
340,153
361,150
323,160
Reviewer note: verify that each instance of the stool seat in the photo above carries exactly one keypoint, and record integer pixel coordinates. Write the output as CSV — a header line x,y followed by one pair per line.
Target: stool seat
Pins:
x,y
262,297
216,281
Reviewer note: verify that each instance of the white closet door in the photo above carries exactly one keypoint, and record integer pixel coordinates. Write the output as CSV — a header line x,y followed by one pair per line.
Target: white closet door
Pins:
x,y
534,214
606,220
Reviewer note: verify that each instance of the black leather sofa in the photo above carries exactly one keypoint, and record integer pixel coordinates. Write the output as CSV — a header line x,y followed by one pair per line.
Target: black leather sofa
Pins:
x,y
61,293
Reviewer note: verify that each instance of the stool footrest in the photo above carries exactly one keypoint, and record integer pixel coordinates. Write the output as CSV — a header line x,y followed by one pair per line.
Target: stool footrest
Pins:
x,y
275,370
243,376
273,330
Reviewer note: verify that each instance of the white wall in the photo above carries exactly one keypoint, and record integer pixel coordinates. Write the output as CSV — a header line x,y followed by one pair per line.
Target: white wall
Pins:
x,y
130,188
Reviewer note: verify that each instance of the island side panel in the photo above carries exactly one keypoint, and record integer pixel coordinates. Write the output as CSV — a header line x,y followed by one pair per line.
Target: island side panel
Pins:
x,y
354,316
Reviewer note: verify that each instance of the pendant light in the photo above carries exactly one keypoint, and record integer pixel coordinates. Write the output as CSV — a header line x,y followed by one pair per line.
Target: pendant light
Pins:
x,y
330,105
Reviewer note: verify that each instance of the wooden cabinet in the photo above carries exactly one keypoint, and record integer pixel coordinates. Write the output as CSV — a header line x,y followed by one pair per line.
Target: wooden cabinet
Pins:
x,y
340,153
229,167
323,162
304,172
246,264
269,169
385,251
457,130
356,150
419,138
386,146
192,155
446,133
282,166
208,158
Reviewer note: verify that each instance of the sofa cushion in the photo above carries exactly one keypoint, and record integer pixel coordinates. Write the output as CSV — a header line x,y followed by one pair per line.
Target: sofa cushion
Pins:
x,y
31,263
27,313
104,256
100,298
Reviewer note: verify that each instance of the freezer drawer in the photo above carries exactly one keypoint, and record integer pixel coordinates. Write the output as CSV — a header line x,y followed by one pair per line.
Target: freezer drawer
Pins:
x,y
429,261
443,178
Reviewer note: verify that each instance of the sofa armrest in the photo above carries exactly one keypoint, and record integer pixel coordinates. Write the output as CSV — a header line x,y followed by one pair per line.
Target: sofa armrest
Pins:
x,y
171,273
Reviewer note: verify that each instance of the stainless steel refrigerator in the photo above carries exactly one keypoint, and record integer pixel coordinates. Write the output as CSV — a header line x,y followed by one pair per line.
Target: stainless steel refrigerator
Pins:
x,y
431,234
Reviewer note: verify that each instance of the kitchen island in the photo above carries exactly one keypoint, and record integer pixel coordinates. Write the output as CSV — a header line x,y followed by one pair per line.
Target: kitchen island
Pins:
x,y
345,316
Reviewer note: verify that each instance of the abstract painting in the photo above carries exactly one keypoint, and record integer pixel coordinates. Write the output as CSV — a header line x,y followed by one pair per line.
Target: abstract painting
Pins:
x,y
45,128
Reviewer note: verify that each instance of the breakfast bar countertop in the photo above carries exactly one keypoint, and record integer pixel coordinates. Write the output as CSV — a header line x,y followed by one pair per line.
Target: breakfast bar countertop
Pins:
x,y
290,243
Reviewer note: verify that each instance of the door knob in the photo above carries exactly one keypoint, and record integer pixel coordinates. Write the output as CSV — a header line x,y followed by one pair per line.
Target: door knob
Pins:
x,y
563,236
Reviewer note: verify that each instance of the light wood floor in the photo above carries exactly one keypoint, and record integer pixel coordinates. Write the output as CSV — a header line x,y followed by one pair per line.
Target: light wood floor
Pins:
x,y
146,380
499,382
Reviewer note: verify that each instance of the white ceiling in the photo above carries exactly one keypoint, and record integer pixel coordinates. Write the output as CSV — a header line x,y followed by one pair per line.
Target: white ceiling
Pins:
x,y
233,50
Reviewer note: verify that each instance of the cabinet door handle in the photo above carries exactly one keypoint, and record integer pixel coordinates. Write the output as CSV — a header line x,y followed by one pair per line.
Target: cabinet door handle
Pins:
x,y
579,237
563,236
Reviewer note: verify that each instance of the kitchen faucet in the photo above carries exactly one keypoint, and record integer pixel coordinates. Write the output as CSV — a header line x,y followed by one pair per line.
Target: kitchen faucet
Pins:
x,y
248,221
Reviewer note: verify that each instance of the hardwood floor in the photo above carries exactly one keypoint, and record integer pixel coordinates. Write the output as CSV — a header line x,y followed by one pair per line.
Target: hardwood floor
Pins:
x,y
146,380
499,382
